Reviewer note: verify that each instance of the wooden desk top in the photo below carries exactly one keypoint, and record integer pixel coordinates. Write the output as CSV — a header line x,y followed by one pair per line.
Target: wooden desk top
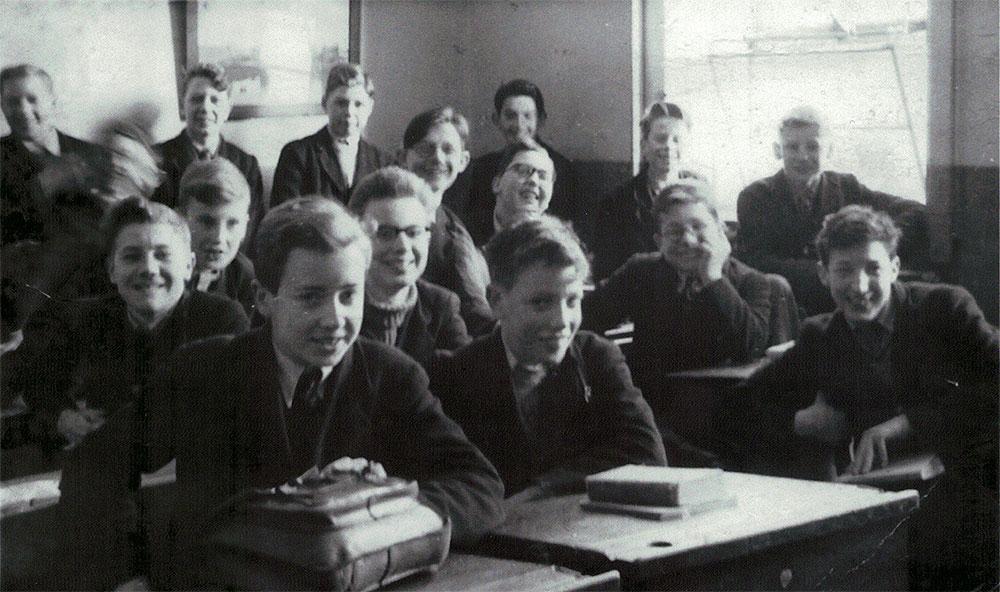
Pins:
x,y
769,511
474,572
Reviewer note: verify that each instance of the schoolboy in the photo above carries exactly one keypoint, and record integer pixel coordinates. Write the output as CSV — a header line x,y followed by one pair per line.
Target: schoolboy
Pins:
x,y
898,365
401,309
523,185
98,354
547,404
330,162
303,390
435,148
780,215
519,115
215,200
207,104
693,305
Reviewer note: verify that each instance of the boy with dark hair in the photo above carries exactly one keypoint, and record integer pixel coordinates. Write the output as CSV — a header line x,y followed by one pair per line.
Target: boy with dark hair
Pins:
x,y
206,107
519,114
896,365
302,391
332,161
435,147
215,200
402,309
546,404
98,354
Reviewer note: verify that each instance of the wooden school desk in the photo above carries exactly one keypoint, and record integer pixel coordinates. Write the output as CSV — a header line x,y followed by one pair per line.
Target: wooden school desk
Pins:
x,y
782,534
481,574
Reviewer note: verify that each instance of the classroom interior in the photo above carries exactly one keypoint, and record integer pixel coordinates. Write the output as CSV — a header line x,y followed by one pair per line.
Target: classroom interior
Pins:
x,y
598,63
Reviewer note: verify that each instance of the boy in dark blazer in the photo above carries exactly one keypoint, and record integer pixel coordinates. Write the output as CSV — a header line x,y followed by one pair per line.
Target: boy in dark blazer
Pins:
x,y
401,309
301,391
332,161
897,365
95,356
546,404
780,215
692,304
206,108
215,200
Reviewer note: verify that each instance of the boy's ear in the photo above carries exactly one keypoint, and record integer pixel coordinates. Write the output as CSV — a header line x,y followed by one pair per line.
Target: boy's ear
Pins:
x,y
189,268
495,118
262,297
896,266
466,157
496,184
824,273
777,149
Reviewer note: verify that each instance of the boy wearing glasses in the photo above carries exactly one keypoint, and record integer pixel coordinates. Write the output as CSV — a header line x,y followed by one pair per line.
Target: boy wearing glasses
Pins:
x,y
400,308
692,304
523,184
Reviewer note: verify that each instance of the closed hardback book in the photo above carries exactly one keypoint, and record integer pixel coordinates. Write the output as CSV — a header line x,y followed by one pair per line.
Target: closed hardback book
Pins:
x,y
910,469
659,512
656,486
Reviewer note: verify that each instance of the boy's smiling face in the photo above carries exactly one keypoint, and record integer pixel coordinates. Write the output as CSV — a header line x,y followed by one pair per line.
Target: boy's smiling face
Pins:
x,y
860,279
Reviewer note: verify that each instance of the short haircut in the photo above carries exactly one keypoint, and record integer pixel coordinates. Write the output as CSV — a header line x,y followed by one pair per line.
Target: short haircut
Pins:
x,y
520,88
856,226
391,182
138,210
659,110
12,73
214,73
421,125
688,191
347,74
310,223
508,154
546,240
802,116
212,182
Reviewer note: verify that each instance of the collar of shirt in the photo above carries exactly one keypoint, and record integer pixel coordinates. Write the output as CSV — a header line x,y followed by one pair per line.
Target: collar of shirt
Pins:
x,y
513,363
886,317
50,145
343,142
289,376
207,147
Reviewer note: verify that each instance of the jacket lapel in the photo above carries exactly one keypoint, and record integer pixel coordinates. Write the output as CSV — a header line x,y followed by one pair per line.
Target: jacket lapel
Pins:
x,y
414,335
347,425
268,450
328,160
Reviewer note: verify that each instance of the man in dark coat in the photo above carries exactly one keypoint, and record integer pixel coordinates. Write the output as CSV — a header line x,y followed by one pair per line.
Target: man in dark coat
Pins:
x,y
780,215
206,108
334,159
546,404
300,392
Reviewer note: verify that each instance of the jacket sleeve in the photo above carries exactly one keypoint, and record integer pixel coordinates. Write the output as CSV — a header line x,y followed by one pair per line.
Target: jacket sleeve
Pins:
x,y
426,445
743,314
910,216
613,299
621,427
289,175
453,333
471,278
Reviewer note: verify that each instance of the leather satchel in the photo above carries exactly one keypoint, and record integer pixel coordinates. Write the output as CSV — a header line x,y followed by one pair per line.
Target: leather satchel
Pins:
x,y
341,531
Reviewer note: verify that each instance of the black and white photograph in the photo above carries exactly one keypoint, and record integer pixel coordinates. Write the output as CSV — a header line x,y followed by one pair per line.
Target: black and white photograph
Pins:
x,y
543,295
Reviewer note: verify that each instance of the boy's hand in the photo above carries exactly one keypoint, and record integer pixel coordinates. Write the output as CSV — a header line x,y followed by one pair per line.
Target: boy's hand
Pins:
x,y
75,424
716,250
821,422
872,445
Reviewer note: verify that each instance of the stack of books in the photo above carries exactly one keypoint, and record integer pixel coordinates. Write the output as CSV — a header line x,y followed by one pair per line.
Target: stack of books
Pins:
x,y
657,493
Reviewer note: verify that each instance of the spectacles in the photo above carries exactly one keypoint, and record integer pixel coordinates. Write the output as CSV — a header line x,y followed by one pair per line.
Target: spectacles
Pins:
x,y
525,170
387,233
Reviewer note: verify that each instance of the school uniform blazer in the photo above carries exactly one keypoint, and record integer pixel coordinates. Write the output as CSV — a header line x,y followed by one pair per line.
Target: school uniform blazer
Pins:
x,y
588,405
624,226
309,166
89,351
235,283
178,153
19,216
432,326
454,263
217,407
480,201
727,321
775,236
944,362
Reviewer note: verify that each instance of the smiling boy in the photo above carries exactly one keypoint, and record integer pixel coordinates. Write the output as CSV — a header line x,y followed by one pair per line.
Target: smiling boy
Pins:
x,y
545,403
99,354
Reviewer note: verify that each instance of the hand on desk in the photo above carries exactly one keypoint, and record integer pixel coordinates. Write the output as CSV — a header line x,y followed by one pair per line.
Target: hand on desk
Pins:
x,y
872,444
822,422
